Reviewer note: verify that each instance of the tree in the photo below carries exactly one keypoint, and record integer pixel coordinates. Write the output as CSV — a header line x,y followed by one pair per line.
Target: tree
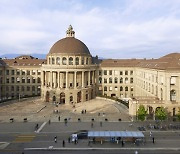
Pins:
x,y
161,113
141,113
178,115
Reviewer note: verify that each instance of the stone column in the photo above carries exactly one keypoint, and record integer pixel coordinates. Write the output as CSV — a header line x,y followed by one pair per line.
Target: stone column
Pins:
x,y
75,79
42,76
67,83
89,76
82,79
58,79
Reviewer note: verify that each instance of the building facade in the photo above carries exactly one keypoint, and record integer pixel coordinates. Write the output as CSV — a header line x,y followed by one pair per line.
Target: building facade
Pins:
x,y
70,74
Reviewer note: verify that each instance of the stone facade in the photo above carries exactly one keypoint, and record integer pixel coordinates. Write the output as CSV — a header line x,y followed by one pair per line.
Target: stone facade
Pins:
x,y
69,74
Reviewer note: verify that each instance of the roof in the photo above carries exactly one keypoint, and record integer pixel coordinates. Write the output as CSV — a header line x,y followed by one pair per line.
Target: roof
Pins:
x,y
69,45
167,62
24,60
136,134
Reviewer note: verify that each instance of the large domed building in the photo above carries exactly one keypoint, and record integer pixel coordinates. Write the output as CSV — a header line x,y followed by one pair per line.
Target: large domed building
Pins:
x,y
69,75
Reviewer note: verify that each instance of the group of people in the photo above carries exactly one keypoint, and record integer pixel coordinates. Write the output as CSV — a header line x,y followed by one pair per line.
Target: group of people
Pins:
x,y
83,111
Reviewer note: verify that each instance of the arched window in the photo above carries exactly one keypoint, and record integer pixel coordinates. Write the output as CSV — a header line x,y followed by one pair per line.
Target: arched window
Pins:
x,y
33,88
100,80
126,80
49,60
77,60
121,80
173,95
53,61
58,61
131,80
105,88
70,61
82,61
115,80
64,61
86,61
121,88
126,88
110,80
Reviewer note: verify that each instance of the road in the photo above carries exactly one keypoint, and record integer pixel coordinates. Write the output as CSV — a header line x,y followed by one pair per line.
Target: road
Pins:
x,y
22,137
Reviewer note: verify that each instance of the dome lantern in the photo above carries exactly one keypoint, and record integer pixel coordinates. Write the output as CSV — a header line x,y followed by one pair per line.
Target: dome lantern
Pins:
x,y
70,32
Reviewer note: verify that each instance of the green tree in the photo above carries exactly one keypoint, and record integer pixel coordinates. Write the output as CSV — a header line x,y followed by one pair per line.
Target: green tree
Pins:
x,y
161,113
141,113
178,115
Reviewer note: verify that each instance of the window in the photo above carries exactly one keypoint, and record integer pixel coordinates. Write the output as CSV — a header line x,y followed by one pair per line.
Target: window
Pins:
x,y
49,60
105,88
173,80
33,72
64,61
126,88
28,88
110,88
7,80
28,80
39,72
77,60
121,80
131,72
121,72
12,72
100,80
100,72
23,80
33,88
110,72
12,88
110,80
82,60
17,88
12,79
115,80
58,61
126,80
38,80
53,61
70,61
33,80
18,72
86,61
18,80
7,88
22,88
105,72
23,72
126,72
7,72
116,89
131,80
121,88
131,88
28,72
0,72
105,80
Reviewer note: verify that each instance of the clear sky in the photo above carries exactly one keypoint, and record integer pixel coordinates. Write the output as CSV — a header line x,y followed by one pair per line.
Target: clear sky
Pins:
x,y
110,28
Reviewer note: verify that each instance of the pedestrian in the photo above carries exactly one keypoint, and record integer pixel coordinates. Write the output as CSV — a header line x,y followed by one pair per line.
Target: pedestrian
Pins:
x,y
37,126
92,125
150,134
63,143
122,143
59,118
101,123
49,121
69,140
85,111
55,139
153,139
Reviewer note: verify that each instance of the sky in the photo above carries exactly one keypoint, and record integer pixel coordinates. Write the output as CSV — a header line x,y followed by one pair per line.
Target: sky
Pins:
x,y
109,28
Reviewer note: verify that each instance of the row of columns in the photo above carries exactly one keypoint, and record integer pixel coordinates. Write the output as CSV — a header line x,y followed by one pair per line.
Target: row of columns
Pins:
x,y
55,78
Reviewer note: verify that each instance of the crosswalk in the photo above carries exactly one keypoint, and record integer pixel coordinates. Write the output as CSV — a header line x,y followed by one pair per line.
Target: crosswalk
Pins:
x,y
24,138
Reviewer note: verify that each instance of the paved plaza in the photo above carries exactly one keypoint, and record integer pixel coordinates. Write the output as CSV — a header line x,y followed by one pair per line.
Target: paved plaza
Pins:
x,y
34,109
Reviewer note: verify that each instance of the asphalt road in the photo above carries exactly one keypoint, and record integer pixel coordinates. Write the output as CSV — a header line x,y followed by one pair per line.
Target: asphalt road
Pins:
x,y
22,137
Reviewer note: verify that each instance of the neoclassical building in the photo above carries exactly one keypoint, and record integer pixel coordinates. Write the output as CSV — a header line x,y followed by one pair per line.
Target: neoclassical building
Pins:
x,y
70,74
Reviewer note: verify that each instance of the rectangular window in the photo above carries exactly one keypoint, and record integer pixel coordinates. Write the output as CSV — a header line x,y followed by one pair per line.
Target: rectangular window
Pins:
x,y
33,72
28,72
126,72
23,80
131,72
7,72
110,72
110,88
12,79
12,72
28,80
33,80
100,72
39,72
7,80
173,80
18,72
121,72
23,72
0,72
105,72
105,80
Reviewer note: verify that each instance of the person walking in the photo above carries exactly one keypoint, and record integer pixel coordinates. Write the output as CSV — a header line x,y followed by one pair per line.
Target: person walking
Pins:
x,y
59,118
92,125
69,140
63,143
49,121
153,140
55,139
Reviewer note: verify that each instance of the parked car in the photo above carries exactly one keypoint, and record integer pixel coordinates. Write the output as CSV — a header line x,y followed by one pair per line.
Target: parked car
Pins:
x,y
82,134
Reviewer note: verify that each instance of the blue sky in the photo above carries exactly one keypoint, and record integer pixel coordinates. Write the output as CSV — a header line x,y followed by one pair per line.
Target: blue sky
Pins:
x,y
110,28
